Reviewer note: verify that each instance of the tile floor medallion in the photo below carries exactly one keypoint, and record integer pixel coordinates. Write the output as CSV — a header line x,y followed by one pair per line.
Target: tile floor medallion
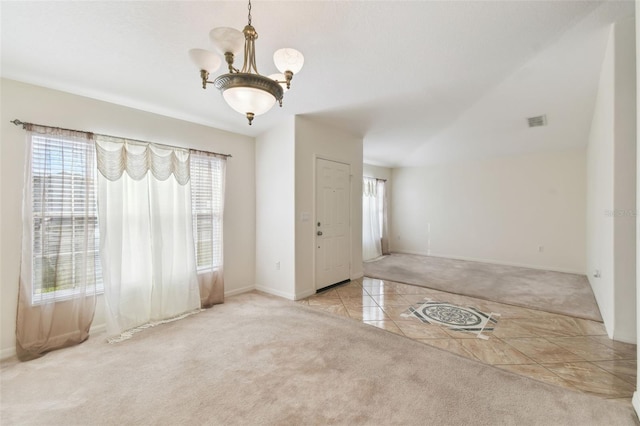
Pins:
x,y
557,349
454,317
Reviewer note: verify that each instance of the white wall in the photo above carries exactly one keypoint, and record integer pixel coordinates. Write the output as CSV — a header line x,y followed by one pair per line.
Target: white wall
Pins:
x,y
600,190
50,107
611,186
378,172
625,182
636,396
499,211
315,140
275,210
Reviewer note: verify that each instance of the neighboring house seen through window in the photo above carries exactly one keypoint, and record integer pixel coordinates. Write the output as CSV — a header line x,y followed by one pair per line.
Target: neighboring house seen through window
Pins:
x,y
65,223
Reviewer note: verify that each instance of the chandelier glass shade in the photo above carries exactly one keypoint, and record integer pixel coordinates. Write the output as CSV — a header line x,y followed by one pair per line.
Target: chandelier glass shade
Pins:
x,y
245,90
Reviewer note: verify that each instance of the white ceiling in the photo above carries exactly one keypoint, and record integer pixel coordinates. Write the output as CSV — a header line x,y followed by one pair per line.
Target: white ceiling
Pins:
x,y
423,82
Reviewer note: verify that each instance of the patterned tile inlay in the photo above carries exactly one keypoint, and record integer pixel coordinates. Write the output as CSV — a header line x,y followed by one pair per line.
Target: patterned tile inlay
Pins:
x,y
453,317
556,349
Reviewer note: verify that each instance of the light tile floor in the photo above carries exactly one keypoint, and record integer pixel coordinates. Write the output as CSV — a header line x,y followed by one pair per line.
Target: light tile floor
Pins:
x,y
556,349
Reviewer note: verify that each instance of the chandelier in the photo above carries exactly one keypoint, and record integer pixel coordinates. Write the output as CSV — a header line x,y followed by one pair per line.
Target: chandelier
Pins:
x,y
246,90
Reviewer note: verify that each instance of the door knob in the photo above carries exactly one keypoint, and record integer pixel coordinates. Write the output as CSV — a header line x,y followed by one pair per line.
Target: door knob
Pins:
x,y
319,232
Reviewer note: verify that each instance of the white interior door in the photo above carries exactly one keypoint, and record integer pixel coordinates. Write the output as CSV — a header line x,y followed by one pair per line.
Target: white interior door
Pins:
x,y
333,243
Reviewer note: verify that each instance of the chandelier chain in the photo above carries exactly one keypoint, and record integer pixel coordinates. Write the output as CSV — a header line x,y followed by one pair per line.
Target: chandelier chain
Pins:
x,y
249,12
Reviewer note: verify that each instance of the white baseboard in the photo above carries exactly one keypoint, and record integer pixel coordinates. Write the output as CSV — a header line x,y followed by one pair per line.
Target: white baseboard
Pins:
x,y
268,290
624,337
285,294
493,261
635,401
305,294
417,253
239,291
97,328
7,353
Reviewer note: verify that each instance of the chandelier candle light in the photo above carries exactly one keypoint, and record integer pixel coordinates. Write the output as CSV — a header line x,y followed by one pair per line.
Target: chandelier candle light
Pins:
x,y
246,90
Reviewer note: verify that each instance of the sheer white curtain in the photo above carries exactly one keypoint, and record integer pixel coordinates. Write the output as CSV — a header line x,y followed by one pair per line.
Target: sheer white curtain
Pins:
x,y
146,247
59,272
383,203
371,231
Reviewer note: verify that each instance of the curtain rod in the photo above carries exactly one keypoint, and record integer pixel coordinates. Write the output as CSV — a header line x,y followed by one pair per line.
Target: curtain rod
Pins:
x,y
371,177
23,124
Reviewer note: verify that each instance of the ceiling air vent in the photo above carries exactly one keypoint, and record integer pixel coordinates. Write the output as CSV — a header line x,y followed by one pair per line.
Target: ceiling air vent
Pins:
x,y
538,121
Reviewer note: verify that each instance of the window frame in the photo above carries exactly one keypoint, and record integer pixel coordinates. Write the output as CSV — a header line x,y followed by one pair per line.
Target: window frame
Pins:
x,y
216,214
40,148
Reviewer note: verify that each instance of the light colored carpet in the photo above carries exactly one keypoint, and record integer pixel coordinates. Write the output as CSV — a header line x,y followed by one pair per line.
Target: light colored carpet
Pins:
x,y
560,293
263,360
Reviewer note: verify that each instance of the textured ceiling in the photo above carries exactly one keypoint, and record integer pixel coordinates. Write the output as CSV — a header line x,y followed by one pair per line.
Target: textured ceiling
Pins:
x,y
422,82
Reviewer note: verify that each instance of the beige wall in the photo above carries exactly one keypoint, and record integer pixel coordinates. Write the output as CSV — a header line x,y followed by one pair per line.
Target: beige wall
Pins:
x,y
611,190
314,140
499,211
636,396
600,190
50,107
275,210
625,182
378,172
285,180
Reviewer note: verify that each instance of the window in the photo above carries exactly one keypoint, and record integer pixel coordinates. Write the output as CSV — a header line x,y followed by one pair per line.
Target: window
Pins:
x,y
64,217
207,198
380,200
374,239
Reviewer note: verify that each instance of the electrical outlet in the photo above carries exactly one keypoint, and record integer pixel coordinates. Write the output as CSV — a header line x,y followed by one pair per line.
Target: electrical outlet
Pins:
x,y
596,273
277,266
540,249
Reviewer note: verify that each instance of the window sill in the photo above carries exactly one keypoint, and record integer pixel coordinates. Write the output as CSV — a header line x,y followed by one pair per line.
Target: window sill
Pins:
x,y
62,296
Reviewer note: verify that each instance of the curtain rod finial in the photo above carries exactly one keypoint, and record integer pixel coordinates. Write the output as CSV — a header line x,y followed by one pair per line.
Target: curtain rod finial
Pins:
x,y
17,122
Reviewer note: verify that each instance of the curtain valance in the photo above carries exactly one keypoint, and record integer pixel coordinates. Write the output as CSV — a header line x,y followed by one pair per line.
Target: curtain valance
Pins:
x,y
116,155
369,187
